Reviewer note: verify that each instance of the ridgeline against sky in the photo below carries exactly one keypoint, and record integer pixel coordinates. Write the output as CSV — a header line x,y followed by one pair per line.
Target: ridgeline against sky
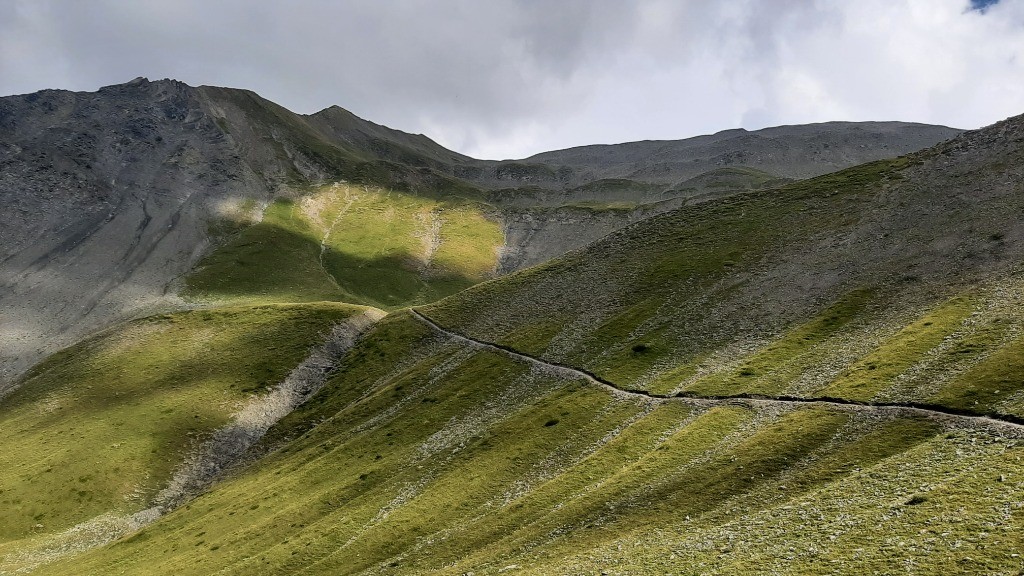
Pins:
x,y
507,79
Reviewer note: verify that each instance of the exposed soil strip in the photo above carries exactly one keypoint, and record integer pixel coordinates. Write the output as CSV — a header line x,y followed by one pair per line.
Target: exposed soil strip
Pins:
x,y
349,200
1003,424
229,444
430,236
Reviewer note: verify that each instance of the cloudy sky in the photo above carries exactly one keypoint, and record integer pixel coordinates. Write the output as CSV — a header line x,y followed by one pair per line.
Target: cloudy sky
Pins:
x,y
509,78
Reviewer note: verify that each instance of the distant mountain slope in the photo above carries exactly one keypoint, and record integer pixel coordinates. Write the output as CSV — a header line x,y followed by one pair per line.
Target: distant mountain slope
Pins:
x,y
787,151
346,129
332,145
111,198
107,197
644,178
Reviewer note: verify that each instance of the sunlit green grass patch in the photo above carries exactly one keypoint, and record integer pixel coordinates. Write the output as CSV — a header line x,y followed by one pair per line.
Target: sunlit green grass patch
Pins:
x,y
989,383
769,370
356,244
871,374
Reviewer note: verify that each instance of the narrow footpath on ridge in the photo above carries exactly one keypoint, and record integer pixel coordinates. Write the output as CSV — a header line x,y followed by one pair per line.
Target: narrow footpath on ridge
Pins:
x,y
1001,424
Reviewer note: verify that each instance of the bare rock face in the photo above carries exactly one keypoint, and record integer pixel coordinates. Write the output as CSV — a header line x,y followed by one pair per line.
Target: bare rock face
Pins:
x,y
107,198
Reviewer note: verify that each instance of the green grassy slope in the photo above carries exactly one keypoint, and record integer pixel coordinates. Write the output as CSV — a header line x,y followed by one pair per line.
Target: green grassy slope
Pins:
x,y
424,455
99,427
356,244
732,178
897,280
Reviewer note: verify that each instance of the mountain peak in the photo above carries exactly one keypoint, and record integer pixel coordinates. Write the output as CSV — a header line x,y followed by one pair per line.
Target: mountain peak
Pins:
x,y
135,82
143,83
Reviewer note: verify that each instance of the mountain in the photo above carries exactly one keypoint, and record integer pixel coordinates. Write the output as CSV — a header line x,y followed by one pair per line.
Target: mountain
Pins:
x,y
113,198
790,151
353,351
824,376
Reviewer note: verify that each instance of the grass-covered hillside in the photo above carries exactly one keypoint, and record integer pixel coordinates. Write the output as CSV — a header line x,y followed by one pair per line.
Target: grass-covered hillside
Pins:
x,y
898,280
425,454
99,428
356,244
821,377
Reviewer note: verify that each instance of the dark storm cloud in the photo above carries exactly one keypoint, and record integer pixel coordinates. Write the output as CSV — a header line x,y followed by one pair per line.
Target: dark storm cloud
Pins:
x,y
507,78
982,5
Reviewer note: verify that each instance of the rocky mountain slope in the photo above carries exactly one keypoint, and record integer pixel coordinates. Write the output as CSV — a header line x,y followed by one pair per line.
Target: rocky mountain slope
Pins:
x,y
108,198
789,151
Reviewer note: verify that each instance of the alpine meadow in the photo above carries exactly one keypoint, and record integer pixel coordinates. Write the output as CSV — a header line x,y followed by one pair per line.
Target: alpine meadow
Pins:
x,y
242,340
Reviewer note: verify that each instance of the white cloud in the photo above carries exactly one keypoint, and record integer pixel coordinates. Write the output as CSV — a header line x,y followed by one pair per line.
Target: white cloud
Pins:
x,y
508,78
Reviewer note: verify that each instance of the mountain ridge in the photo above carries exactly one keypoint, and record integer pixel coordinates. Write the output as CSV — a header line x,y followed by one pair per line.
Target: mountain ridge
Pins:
x,y
166,165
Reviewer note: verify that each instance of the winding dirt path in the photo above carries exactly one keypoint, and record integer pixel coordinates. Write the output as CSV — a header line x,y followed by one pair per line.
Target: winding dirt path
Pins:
x,y
1001,424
